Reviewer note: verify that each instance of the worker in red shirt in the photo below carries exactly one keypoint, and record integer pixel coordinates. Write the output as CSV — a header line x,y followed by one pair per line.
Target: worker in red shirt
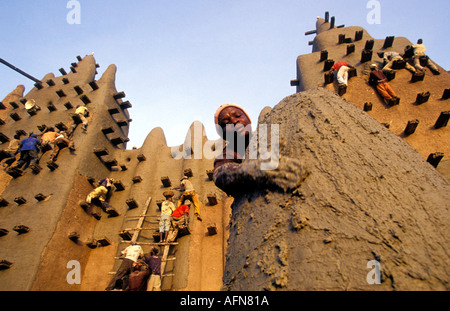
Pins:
x,y
180,215
180,218
342,69
181,210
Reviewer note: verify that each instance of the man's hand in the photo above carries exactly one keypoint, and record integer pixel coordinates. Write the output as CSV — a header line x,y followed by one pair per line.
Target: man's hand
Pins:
x,y
289,174
239,178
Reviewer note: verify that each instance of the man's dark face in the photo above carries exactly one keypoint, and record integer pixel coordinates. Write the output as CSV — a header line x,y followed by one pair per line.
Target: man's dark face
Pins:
x,y
234,120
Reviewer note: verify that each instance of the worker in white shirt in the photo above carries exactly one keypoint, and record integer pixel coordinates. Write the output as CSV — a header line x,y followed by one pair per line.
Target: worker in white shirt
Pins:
x,y
82,112
419,52
167,208
131,255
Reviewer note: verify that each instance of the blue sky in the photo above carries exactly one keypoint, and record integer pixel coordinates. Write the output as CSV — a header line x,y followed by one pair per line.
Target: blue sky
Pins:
x,y
178,60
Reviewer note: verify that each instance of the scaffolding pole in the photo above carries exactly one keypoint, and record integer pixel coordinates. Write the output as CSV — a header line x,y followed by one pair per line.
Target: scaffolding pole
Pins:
x,y
19,71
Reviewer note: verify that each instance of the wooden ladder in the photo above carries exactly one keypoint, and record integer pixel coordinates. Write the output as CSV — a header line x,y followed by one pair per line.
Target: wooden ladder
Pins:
x,y
136,233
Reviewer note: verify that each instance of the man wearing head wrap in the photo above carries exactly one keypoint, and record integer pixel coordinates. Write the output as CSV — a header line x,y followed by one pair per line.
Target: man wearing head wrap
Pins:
x,y
233,172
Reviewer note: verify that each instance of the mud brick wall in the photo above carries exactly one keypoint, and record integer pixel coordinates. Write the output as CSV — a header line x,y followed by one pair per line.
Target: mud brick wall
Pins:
x,y
39,257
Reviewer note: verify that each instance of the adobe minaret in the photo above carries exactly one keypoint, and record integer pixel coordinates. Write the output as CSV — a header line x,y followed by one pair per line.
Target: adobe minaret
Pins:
x,y
56,230
422,102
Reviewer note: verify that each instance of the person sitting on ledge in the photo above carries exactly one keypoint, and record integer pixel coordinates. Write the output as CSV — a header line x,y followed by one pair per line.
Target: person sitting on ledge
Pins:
x,y
419,52
235,174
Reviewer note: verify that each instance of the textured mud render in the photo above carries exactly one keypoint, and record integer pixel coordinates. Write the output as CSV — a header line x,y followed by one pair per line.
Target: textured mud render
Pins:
x,y
368,196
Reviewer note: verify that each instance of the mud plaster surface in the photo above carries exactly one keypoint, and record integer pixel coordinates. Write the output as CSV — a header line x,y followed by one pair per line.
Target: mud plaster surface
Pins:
x,y
369,196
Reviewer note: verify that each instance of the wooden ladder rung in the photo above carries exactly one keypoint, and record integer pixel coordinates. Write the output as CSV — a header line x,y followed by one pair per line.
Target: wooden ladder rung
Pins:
x,y
168,259
162,276
148,243
165,275
139,216
137,229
